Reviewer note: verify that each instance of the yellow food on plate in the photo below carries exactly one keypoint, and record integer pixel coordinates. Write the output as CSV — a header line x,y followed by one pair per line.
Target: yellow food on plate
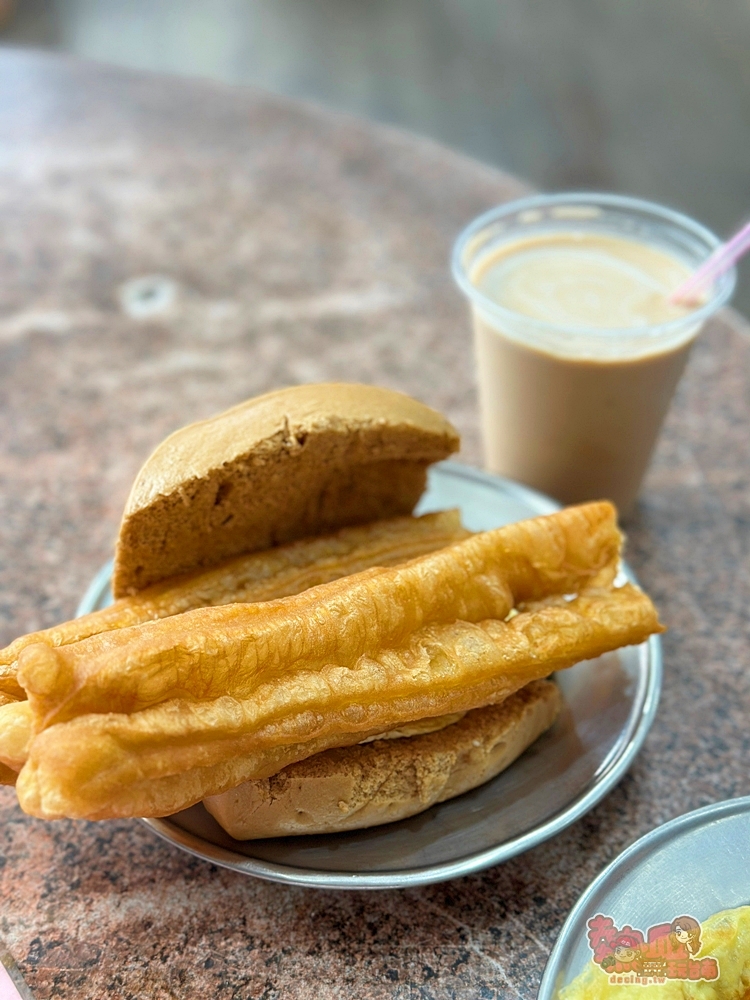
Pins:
x,y
725,937
259,576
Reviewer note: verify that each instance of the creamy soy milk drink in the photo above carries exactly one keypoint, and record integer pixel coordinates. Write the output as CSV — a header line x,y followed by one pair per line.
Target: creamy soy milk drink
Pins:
x,y
578,347
579,279
577,427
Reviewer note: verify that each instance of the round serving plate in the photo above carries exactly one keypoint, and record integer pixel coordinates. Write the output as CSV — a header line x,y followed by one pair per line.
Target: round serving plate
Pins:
x,y
697,864
609,705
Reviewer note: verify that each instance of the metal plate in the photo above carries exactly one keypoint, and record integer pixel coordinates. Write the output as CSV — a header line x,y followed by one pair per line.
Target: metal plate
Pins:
x,y
609,705
697,864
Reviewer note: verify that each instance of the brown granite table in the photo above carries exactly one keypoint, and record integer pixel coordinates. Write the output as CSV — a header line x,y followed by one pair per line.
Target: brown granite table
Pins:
x,y
294,244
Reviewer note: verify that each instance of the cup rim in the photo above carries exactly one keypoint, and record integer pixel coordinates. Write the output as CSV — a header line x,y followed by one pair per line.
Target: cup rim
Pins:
x,y
723,287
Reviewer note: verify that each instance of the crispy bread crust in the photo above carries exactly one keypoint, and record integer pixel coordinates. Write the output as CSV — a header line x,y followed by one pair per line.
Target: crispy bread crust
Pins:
x,y
368,785
294,463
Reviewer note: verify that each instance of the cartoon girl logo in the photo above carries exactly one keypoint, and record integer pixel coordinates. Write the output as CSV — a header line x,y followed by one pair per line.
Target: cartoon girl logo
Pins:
x,y
668,950
686,931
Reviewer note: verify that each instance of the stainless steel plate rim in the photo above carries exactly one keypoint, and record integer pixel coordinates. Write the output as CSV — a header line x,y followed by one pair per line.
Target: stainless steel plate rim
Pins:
x,y
637,853
609,773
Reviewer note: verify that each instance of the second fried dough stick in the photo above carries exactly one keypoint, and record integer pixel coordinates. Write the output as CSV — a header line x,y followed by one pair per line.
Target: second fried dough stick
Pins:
x,y
230,650
260,576
165,758
16,725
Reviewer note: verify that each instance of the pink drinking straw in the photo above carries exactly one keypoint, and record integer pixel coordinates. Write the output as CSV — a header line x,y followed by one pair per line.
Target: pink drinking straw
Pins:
x,y
721,260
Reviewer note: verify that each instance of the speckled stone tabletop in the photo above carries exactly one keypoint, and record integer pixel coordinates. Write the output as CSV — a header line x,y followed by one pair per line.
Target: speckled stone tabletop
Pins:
x,y
290,244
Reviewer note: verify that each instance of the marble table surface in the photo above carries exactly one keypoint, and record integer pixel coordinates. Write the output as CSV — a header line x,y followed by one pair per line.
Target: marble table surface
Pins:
x,y
283,244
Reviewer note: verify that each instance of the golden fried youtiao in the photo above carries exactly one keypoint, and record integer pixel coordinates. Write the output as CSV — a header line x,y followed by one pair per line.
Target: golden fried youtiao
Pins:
x,y
263,576
16,725
8,774
165,758
231,650
260,576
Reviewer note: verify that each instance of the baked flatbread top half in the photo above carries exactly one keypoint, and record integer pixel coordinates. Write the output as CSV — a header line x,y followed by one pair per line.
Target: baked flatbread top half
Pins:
x,y
291,464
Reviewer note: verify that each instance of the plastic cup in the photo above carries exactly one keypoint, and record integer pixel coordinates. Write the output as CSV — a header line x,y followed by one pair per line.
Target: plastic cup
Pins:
x,y
575,411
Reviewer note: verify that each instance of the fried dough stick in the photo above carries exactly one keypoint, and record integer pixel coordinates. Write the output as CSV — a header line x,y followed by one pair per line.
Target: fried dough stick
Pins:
x,y
260,576
230,650
16,725
9,737
166,758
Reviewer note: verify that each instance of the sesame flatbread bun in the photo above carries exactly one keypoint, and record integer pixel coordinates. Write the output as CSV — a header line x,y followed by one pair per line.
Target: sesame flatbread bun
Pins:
x,y
388,779
291,464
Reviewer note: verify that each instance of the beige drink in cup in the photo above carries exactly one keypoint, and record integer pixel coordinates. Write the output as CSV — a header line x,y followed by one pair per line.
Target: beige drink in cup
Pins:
x,y
578,347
